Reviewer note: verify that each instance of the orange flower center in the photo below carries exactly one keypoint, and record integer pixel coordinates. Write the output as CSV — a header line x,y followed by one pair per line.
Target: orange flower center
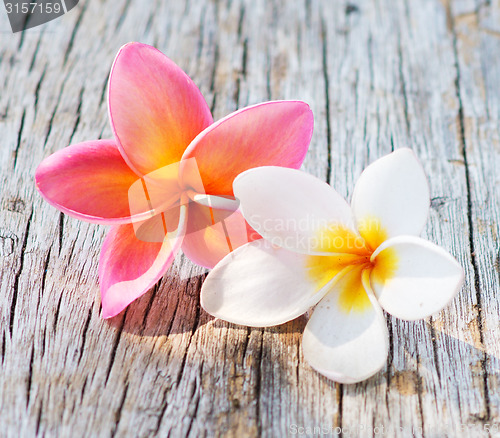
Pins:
x,y
351,255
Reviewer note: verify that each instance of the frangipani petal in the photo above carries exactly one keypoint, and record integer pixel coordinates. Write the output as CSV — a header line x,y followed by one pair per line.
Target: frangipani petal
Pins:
x,y
155,109
259,286
295,210
129,267
89,181
346,338
272,133
414,278
391,198
212,234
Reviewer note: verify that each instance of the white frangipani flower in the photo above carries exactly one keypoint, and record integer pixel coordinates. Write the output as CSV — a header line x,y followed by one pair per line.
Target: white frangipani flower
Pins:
x,y
350,261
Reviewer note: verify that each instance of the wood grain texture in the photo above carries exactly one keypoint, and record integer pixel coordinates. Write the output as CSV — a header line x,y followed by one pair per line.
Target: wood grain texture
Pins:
x,y
378,74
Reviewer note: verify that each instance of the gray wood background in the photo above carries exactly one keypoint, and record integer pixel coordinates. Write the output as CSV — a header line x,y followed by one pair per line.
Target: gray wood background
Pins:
x,y
378,74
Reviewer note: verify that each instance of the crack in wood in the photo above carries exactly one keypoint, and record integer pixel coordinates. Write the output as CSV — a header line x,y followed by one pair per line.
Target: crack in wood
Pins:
x,y
470,222
326,81
38,418
174,314
44,340
18,275
23,32
73,33
115,347
35,53
60,233
84,386
212,78
122,16
44,278
419,396
435,348
202,32
53,115
118,413
195,394
339,389
404,93
268,75
37,89
244,347
56,314
149,307
78,114
390,355
103,92
241,19
241,74
163,409
84,336
30,377
193,330
19,138
258,383
2,350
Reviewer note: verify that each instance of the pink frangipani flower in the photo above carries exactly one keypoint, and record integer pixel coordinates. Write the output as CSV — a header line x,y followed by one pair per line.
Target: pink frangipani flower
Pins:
x,y
349,261
166,143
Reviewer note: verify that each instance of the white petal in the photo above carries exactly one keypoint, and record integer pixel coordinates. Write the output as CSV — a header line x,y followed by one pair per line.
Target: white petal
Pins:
x,y
392,192
291,208
414,278
347,344
259,286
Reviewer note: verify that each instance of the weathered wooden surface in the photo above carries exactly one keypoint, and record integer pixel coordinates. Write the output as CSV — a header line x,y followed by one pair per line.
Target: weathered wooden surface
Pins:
x,y
378,74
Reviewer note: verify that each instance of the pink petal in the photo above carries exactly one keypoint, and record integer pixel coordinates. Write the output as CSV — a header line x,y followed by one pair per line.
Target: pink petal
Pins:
x,y
129,267
210,236
89,181
156,110
268,134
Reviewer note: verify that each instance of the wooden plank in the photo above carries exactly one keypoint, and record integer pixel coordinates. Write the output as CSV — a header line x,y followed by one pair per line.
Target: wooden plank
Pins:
x,y
378,75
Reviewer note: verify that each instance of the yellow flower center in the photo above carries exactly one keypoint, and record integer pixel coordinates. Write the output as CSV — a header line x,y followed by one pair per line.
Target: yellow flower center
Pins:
x,y
351,255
